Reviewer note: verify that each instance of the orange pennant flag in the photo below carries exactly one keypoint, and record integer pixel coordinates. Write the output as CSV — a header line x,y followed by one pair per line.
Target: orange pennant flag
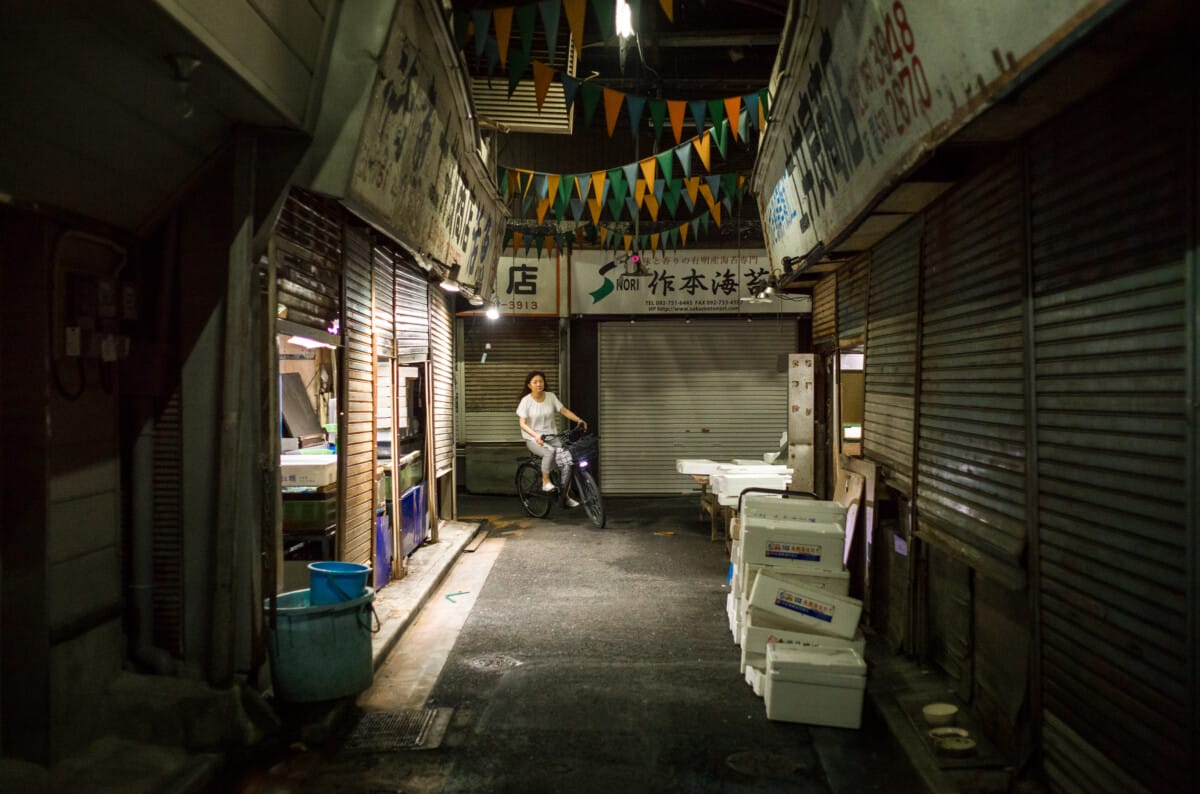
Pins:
x,y
648,169
703,144
552,181
676,109
612,108
502,22
716,213
542,77
733,109
594,207
544,205
668,7
708,196
628,241
598,183
652,206
518,239
654,242
762,117
692,183
639,192
603,235
683,234
575,10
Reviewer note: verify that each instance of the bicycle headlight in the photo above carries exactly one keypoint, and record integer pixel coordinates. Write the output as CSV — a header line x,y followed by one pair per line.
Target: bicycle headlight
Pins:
x,y
583,464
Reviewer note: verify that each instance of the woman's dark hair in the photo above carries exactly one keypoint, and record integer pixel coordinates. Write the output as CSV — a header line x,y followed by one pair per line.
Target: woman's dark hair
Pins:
x,y
530,377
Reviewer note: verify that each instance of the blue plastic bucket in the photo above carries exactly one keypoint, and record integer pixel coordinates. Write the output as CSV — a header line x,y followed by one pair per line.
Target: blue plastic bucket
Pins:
x,y
320,652
333,582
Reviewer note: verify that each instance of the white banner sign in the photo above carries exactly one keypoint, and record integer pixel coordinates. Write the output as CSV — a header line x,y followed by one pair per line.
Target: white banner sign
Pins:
x,y
873,85
528,286
718,281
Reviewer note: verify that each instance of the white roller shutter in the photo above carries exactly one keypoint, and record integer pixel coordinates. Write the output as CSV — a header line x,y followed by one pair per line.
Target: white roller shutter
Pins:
x,y
441,356
712,388
497,355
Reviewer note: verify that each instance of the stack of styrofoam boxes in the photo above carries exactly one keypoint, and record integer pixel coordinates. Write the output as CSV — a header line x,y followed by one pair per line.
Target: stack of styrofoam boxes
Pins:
x,y
790,593
729,480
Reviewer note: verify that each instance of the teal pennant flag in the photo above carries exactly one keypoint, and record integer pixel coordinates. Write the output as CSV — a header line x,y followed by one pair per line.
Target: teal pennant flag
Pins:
x,y
636,105
585,182
631,203
550,10
541,186
526,23
714,184
570,86
750,105
631,175
659,186
697,109
577,208
482,18
591,98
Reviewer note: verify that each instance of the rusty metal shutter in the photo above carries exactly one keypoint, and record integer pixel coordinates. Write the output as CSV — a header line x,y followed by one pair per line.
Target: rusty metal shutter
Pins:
x,y
971,497
852,298
1109,221
411,311
441,356
308,243
383,300
497,355
713,388
356,436
824,313
167,534
891,355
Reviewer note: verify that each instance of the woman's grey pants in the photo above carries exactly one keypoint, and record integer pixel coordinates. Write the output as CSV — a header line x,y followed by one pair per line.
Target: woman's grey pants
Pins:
x,y
547,454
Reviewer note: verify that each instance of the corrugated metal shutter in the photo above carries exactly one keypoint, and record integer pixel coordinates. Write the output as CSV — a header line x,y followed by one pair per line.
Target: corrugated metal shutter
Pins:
x,y
441,356
167,535
712,388
824,312
494,376
852,298
1109,220
308,242
383,300
356,439
412,312
891,355
971,453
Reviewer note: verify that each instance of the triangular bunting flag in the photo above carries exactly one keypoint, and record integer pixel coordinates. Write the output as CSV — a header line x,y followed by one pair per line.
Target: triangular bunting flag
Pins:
x,y
542,76
716,112
716,213
614,206
603,232
577,208
540,185
518,240
713,183
594,207
676,109
605,12
697,109
591,98
750,102
517,66
654,242
684,153
565,186
570,86
542,206
693,188
502,19
620,186
636,105
652,206
671,199
462,23
526,202
658,112
633,207
690,200
729,185
668,7
630,172
683,233
612,107
733,107
549,10
526,22
639,192
575,10
600,185
701,142
583,183
666,163
659,186
481,20
764,109
552,181
727,203
648,169
504,182
709,199
720,134
628,241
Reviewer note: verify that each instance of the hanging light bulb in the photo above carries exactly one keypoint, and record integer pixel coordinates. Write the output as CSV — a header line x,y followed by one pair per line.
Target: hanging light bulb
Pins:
x,y
493,311
624,19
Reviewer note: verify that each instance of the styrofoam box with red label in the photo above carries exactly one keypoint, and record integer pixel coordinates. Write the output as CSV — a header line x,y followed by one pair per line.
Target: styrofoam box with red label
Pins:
x,y
801,548
836,582
759,631
307,471
812,608
814,686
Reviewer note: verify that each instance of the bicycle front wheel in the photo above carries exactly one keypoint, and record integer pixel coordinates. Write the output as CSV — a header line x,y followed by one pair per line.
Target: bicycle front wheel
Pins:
x,y
529,488
589,495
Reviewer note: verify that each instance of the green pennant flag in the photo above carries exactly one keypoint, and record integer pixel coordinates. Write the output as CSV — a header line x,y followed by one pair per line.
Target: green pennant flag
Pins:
x,y
684,152
729,184
565,185
716,111
462,21
605,12
550,10
526,22
541,240
671,196
560,206
658,113
764,100
666,163
518,64
482,18
614,207
504,182
720,136
618,186
591,98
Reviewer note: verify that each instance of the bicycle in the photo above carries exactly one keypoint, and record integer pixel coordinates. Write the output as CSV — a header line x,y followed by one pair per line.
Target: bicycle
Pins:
x,y
583,448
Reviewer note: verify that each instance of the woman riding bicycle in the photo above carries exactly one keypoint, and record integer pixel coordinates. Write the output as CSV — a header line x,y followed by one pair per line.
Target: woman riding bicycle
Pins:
x,y
536,413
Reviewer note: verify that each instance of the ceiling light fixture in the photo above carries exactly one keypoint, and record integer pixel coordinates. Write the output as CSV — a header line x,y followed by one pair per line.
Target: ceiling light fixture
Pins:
x,y
450,282
475,300
493,311
624,19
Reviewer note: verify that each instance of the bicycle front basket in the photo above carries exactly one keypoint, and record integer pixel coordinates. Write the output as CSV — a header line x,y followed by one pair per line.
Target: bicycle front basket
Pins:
x,y
585,448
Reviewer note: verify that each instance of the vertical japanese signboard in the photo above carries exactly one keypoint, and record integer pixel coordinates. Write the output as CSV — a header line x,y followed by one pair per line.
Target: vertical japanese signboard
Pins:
x,y
717,281
871,86
417,171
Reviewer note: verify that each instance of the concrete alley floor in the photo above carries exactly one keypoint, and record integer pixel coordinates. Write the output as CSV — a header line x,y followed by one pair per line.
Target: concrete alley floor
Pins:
x,y
556,657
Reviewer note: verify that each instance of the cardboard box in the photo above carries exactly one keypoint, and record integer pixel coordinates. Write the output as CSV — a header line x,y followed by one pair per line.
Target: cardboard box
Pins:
x,y
814,686
812,608
307,471
800,548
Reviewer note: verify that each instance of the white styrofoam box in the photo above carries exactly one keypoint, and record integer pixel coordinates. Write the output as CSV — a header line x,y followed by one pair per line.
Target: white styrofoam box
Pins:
x,y
754,677
814,686
835,582
759,631
799,548
764,507
813,608
728,487
695,466
749,659
307,470
751,468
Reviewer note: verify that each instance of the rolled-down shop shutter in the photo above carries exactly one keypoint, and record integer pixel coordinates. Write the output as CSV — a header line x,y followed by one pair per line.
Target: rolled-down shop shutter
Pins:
x,y
497,355
441,357
412,312
852,298
308,275
971,451
713,388
356,441
383,298
824,312
891,355
1109,219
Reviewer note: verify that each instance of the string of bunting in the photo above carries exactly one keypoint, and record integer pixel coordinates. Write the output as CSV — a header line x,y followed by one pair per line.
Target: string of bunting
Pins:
x,y
613,236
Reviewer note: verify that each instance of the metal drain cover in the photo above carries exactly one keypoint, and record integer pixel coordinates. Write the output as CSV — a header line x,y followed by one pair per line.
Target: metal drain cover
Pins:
x,y
494,661
764,763
382,731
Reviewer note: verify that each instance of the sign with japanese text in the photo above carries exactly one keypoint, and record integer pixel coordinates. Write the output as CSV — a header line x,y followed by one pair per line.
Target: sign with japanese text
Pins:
x,y
411,172
717,281
873,85
528,286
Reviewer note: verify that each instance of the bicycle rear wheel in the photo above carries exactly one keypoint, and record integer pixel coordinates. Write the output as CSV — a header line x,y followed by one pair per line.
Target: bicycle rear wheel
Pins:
x,y
529,488
589,495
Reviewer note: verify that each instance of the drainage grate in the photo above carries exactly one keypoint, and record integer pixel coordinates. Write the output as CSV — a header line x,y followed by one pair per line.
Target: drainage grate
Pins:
x,y
381,731
764,763
494,661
